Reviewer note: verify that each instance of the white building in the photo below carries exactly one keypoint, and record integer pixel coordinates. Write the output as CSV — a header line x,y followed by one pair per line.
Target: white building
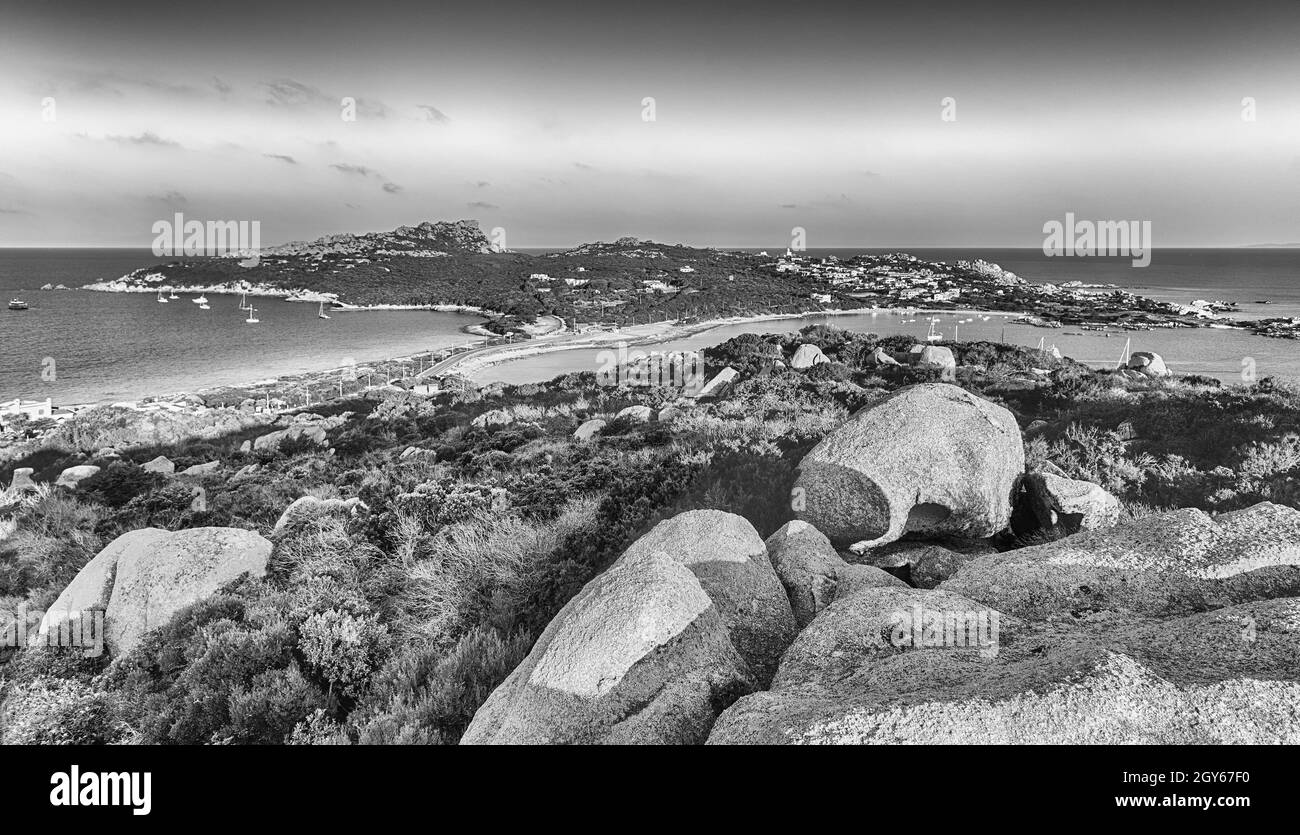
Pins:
x,y
32,409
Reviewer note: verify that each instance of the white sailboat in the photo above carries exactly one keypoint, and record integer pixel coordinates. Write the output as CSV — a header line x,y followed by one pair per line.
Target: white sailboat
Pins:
x,y
171,294
200,300
1127,355
161,300
321,312
243,302
933,335
205,307
252,316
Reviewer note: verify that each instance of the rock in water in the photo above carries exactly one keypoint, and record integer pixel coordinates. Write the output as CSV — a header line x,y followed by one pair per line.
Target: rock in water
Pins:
x,y
589,429
730,560
640,655
73,476
807,356
931,459
156,578
860,674
1070,503
813,574
1172,563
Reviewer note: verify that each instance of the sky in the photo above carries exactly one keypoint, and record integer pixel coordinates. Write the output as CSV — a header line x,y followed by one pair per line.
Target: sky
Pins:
x,y
534,118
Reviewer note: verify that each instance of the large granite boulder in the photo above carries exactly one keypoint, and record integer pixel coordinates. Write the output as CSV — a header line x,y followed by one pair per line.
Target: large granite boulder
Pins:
x,y
313,433
1176,562
158,576
807,356
730,560
73,476
862,673
1148,363
161,465
931,459
934,356
589,429
640,655
1070,503
636,414
93,585
22,480
813,574
305,509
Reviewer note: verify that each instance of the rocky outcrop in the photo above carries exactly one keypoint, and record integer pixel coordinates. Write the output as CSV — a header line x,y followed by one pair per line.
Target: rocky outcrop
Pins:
x,y
730,560
635,414
200,470
928,564
305,509
161,465
493,418
158,576
931,459
22,480
1069,503
313,433
1171,563
589,429
934,356
862,674
640,655
807,356
73,476
813,574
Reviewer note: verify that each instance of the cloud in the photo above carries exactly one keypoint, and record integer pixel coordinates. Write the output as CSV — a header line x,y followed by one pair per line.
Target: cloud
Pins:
x,y
479,204
220,86
171,198
289,93
392,188
433,114
789,206
14,212
582,166
482,184
282,158
147,138
349,168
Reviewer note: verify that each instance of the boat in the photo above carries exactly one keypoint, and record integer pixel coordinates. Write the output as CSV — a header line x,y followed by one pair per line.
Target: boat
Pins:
x,y
321,312
205,307
252,318
161,300
17,304
172,294
243,303
200,300
933,335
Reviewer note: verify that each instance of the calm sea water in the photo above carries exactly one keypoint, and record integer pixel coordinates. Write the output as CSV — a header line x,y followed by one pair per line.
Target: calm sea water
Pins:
x,y
109,347
1242,275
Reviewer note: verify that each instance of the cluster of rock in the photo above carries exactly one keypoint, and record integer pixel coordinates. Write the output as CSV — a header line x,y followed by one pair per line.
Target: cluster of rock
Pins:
x,y
935,357
1175,628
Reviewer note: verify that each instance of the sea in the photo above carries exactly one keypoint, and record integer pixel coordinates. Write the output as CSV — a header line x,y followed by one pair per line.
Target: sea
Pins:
x,y
79,346
82,347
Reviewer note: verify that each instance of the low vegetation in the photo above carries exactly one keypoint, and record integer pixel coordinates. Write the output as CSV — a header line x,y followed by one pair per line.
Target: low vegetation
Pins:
x,y
394,626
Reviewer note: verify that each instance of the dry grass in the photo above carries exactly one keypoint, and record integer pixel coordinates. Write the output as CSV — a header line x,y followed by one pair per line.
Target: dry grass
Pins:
x,y
484,561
